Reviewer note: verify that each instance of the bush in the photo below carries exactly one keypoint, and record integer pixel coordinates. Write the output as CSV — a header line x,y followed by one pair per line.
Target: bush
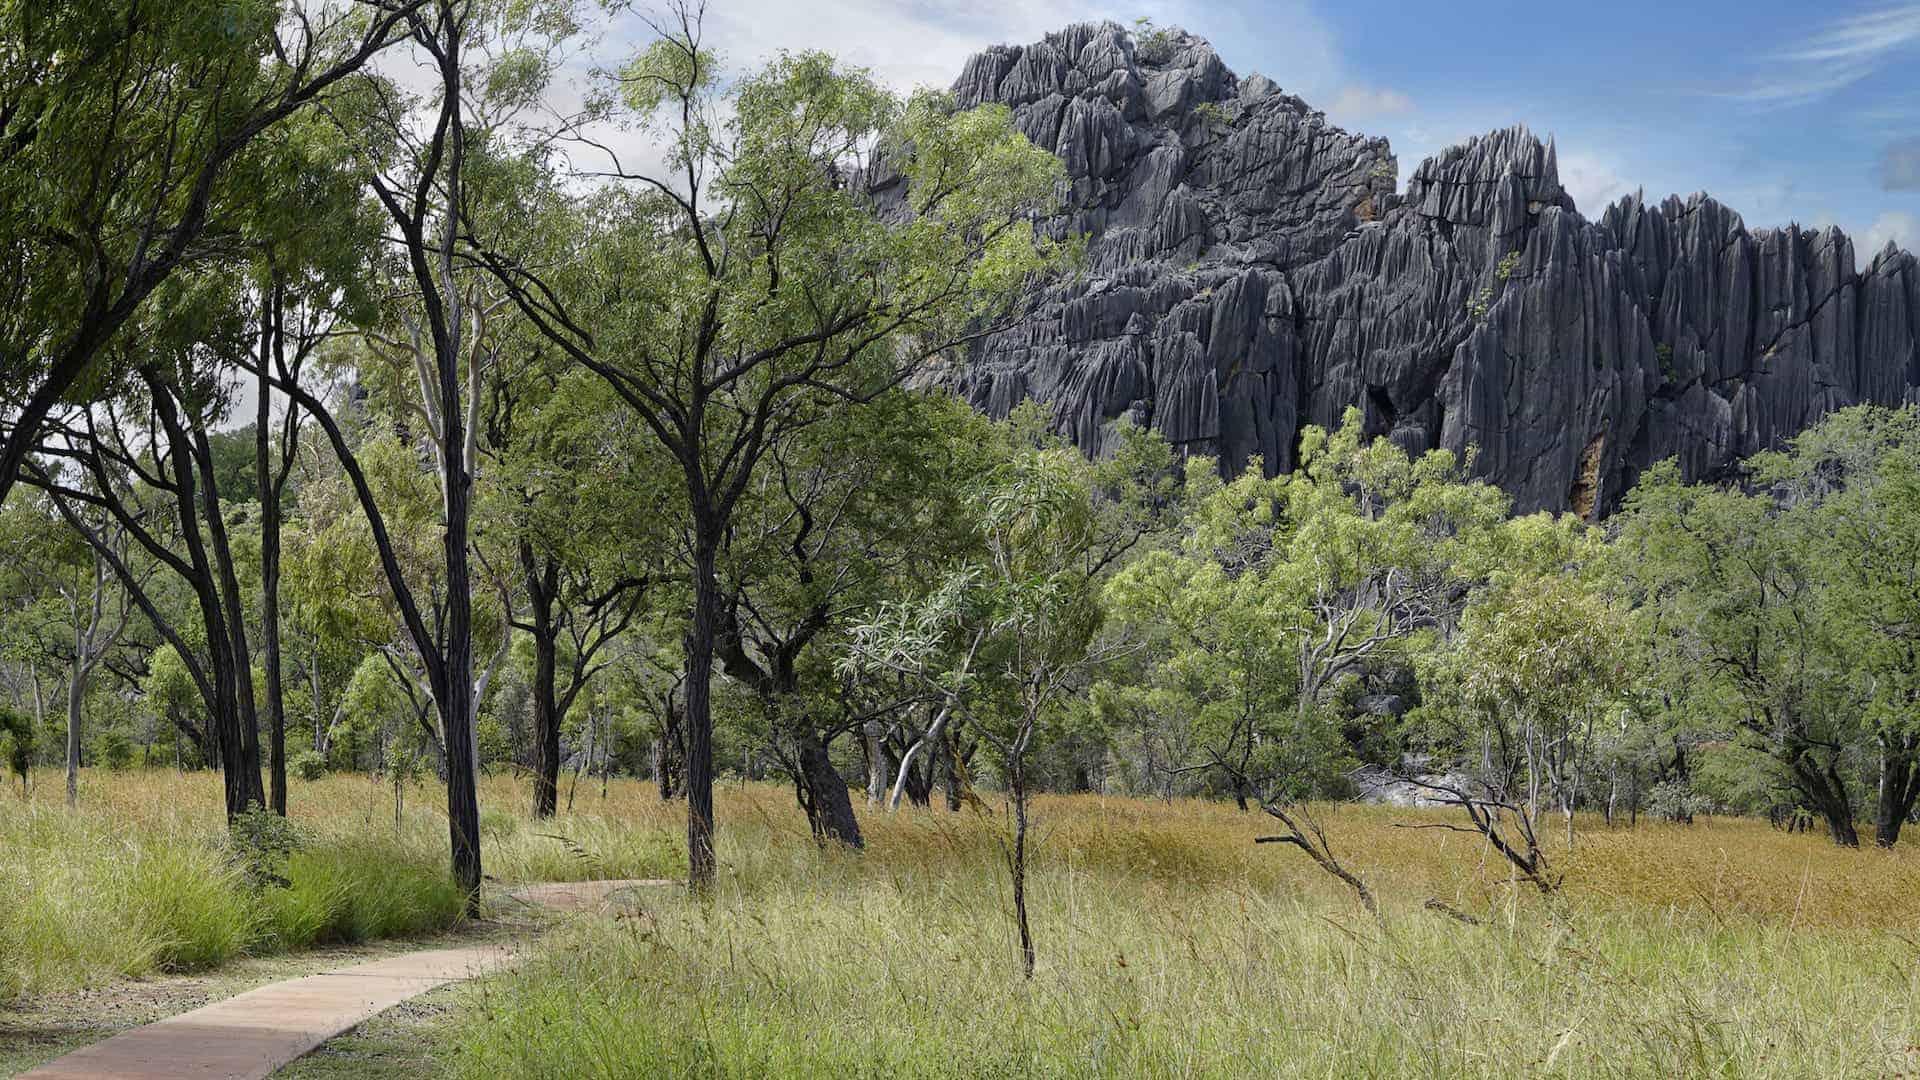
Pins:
x,y
114,750
262,842
16,739
308,765
358,891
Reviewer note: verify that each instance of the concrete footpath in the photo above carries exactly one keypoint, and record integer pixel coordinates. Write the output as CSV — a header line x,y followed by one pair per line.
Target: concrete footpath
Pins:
x,y
252,1034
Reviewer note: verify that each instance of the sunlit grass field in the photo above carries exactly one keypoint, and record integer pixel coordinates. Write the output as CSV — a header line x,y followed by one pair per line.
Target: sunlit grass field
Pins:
x,y
1169,944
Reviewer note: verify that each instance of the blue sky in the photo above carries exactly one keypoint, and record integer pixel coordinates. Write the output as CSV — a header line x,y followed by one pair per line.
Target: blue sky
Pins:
x,y
1785,111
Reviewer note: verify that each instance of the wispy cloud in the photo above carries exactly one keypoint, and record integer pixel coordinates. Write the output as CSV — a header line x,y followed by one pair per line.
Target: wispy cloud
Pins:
x,y
1900,165
1897,227
1834,57
1357,103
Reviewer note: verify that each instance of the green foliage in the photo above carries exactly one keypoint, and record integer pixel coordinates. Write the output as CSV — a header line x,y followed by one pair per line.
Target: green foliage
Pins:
x,y
114,750
89,897
359,890
1480,303
17,739
1281,591
262,842
308,765
1153,44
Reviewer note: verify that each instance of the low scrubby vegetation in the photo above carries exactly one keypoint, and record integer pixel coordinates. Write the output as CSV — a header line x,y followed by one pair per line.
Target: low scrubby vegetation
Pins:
x,y
1177,947
146,877
1173,944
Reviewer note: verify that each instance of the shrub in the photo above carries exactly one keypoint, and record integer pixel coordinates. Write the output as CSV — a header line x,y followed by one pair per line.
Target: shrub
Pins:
x,y
1212,115
114,750
262,842
16,739
1153,44
308,765
358,891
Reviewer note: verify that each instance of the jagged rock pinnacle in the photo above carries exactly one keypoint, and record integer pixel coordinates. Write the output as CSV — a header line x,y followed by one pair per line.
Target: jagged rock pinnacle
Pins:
x,y
1252,268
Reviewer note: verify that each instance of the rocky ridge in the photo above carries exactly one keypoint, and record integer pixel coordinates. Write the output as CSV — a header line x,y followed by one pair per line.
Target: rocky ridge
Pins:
x,y
1251,268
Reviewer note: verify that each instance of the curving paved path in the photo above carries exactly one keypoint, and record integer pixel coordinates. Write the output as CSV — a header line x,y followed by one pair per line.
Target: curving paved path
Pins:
x,y
252,1034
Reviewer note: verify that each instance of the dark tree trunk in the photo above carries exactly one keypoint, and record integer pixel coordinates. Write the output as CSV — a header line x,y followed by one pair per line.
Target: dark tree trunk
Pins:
x,y
228,583
542,583
701,637
269,493
920,783
1822,786
956,774
1899,786
669,754
454,699
227,671
826,800
1017,777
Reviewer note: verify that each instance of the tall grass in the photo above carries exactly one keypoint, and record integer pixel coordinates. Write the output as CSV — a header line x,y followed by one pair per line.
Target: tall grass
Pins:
x,y
146,881
141,878
1171,946
854,976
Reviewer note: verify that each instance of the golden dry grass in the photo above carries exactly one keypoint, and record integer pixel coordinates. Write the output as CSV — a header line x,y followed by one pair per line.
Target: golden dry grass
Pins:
x,y
1717,868
1170,945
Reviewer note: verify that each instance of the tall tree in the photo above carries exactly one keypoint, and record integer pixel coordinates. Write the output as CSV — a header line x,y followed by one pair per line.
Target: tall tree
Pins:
x,y
1733,586
572,487
1005,635
123,131
1853,483
779,272
162,493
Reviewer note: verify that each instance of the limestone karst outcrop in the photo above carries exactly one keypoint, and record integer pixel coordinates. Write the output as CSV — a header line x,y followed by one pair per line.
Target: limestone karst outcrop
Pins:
x,y
1252,268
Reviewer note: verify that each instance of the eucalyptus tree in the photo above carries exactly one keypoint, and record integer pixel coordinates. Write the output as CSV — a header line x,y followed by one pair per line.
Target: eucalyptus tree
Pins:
x,y
1279,593
1732,583
126,128
413,152
141,465
52,564
573,493
1520,695
810,251
1006,634
857,508
311,232
1853,481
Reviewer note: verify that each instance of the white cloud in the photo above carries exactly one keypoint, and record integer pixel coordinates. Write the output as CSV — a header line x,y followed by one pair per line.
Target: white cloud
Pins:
x,y
1594,181
1896,225
1836,56
905,45
928,42
1354,104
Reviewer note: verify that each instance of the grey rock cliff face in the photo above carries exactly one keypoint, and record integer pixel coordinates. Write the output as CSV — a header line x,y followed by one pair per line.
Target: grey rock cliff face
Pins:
x,y
1252,268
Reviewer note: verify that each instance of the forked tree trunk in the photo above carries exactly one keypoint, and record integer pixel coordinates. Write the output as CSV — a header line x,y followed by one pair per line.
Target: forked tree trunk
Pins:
x,y
1823,787
1899,786
829,804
